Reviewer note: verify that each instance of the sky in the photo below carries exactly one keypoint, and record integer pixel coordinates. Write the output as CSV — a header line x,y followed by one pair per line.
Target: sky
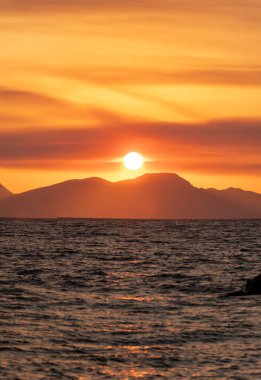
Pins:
x,y
84,82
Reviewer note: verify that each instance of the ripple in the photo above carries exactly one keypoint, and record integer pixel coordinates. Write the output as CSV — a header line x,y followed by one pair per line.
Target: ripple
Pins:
x,y
117,299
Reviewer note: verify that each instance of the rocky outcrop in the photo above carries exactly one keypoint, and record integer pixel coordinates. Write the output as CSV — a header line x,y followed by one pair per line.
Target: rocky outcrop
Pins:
x,y
253,287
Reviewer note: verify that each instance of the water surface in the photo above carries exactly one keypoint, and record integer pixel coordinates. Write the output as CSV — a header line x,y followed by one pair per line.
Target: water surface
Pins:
x,y
126,299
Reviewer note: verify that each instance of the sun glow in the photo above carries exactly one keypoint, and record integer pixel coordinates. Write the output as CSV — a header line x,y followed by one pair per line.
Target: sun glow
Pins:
x,y
133,161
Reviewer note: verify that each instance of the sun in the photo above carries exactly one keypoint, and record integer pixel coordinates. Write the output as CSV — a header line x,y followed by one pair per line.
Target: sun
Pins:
x,y
133,161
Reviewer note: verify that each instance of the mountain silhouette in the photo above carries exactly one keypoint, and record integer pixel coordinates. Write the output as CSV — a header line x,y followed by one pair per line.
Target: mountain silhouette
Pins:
x,y
4,193
156,196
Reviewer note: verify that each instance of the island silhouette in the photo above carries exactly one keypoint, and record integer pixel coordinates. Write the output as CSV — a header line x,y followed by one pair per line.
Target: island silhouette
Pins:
x,y
155,196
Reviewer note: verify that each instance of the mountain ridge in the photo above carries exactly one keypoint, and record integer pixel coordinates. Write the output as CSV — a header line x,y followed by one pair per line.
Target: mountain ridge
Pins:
x,y
4,192
152,195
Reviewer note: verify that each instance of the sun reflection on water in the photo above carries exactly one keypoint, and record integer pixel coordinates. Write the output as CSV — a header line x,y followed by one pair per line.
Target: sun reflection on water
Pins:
x,y
131,373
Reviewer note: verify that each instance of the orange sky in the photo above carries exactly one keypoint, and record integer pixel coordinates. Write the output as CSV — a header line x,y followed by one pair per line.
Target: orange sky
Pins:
x,y
84,82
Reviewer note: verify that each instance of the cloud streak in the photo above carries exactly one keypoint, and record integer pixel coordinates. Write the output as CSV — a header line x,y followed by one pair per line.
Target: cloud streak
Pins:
x,y
185,5
19,108
117,76
84,81
224,144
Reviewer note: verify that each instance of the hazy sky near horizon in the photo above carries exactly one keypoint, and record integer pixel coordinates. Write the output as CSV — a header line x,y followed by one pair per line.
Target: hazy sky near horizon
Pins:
x,y
84,82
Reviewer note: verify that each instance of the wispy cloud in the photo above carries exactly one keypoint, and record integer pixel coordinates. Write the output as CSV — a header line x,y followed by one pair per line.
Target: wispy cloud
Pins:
x,y
191,5
19,108
85,81
219,144
229,76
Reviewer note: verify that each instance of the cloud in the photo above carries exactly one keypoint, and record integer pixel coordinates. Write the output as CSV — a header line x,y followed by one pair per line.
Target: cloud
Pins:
x,y
52,5
218,165
132,76
22,96
234,134
194,6
18,107
221,145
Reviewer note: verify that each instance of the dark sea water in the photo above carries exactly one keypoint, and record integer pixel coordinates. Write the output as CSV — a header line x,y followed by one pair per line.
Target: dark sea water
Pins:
x,y
126,299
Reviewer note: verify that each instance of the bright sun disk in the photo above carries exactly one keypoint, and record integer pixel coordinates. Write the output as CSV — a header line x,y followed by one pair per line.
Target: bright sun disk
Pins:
x,y
133,161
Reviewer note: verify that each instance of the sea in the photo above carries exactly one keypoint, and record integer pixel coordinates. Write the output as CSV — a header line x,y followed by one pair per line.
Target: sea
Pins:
x,y
85,299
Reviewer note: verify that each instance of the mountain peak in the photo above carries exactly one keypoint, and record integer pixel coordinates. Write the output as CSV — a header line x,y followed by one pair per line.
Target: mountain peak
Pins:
x,y
4,193
164,178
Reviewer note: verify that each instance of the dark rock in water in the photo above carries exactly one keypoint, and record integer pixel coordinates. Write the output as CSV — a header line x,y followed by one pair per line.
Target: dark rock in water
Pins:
x,y
236,293
253,286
